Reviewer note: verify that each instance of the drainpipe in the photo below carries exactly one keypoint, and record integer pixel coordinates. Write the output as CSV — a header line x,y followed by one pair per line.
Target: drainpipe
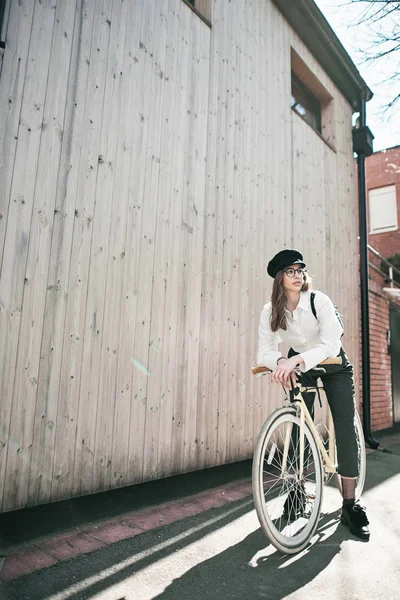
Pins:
x,y
362,145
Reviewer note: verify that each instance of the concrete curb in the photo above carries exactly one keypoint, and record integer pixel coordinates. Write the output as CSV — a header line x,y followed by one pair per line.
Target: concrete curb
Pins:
x,y
51,551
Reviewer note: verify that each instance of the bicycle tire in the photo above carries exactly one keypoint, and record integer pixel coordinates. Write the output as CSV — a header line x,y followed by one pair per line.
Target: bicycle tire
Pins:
x,y
362,457
271,490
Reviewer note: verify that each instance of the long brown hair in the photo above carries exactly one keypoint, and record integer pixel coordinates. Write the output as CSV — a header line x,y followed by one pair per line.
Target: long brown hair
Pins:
x,y
278,300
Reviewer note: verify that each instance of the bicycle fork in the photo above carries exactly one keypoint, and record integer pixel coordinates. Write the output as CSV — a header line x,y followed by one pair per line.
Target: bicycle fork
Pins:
x,y
288,435
329,458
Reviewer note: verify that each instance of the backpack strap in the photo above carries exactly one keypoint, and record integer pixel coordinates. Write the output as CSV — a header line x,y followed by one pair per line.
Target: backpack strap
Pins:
x,y
312,302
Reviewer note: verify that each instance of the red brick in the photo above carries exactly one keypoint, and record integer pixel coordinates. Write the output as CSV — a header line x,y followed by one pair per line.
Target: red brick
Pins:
x,y
114,532
65,547
22,563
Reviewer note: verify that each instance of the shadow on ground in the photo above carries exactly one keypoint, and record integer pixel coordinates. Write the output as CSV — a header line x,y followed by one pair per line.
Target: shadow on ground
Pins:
x,y
252,564
253,569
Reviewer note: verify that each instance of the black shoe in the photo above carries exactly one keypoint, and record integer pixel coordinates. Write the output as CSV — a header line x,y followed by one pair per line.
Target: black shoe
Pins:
x,y
355,518
295,502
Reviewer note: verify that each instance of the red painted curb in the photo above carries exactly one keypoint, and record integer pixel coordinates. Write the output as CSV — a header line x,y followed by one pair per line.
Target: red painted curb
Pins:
x,y
46,553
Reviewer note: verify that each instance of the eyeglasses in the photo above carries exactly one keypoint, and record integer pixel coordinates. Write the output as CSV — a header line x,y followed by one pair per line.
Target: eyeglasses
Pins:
x,y
293,272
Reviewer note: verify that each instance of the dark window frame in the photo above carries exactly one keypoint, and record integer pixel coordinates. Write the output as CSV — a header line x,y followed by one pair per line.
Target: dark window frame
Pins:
x,y
2,15
192,4
308,101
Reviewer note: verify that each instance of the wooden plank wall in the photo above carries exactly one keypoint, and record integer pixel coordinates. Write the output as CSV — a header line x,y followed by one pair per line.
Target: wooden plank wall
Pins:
x,y
150,165
326,176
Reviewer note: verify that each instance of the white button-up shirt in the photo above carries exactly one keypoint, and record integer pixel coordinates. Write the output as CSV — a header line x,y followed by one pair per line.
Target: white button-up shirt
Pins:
x,y
314,339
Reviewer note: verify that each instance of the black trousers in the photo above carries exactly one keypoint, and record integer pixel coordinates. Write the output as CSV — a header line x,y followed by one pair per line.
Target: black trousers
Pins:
x,y
339,388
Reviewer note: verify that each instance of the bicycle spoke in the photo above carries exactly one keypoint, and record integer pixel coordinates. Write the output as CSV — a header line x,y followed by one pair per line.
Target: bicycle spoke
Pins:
x,y
288,503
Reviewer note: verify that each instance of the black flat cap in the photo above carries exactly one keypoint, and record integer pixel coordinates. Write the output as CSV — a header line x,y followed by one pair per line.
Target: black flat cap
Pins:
x,y
284,259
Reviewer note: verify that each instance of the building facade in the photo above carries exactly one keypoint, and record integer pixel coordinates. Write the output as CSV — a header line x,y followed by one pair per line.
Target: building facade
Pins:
x,y
383,197
154,154
383,190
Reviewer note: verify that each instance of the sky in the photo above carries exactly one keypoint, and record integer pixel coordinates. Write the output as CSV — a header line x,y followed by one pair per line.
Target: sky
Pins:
x,y
342,16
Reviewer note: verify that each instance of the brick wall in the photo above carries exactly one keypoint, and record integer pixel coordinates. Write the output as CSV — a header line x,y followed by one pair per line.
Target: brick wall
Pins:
x,y
382,169
381,366
380,360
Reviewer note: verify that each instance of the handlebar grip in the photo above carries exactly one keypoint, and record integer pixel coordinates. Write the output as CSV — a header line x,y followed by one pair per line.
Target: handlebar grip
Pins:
x,y
257,370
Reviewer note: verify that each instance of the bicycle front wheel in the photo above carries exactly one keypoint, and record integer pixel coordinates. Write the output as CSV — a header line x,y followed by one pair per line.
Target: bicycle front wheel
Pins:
x,y
287,499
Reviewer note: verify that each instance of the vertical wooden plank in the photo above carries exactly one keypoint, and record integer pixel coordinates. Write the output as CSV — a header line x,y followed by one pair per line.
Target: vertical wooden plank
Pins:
x,y
72,367
97,389
187,294
159,421
212,275
17,241
176,310
60,256
226,246
309,207
271,224
153,195
126,216
11,98
14,64
238,203
160,332
207,410
261,199
247,319
227,407
190,241
146,275
195,221
345,207
25,465
240,210
256,192
139,277
329,284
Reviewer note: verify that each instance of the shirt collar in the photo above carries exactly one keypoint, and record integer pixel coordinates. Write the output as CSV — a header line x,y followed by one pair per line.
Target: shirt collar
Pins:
x,y
304,302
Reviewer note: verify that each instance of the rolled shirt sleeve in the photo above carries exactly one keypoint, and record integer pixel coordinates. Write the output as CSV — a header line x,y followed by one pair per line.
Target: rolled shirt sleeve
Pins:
x,y
329,336
268,352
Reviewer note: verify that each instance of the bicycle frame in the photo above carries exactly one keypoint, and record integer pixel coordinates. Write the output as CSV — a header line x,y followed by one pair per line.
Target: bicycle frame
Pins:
x,y
329,458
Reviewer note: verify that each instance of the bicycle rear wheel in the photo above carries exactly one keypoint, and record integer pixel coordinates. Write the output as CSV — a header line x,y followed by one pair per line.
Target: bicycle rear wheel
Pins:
x,y
288,504
361,456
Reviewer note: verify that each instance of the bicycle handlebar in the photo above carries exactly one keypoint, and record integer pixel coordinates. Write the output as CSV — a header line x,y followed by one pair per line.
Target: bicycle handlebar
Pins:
x,y
333,360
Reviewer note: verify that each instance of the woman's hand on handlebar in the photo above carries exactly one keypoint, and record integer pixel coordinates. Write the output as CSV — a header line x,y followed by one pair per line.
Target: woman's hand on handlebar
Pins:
x,y
284,372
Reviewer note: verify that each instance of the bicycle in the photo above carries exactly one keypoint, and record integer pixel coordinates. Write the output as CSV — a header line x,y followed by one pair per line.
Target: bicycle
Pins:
x,y
291,465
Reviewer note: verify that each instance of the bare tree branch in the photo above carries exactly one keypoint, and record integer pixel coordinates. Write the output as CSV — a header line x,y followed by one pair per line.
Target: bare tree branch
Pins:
x,y
382,17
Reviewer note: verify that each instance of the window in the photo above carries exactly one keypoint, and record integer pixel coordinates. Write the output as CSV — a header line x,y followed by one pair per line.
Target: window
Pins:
x,y
382,209
202,8
2,17
306,104
311,100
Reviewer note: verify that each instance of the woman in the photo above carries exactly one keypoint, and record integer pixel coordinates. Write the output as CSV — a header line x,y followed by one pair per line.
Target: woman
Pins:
x,y
289,318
